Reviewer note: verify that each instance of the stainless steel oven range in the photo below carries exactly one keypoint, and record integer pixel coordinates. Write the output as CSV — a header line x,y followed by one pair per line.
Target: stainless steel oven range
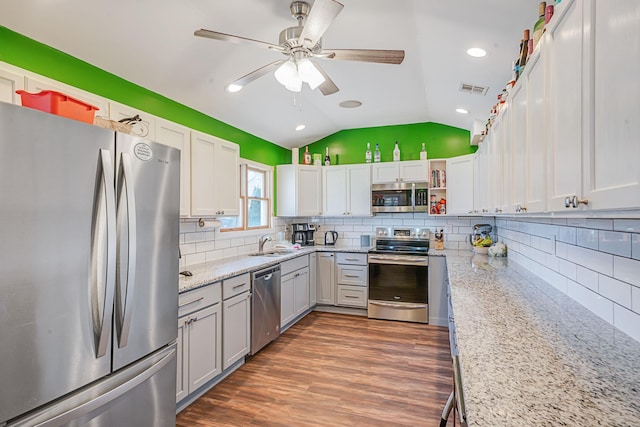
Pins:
x,y
398,275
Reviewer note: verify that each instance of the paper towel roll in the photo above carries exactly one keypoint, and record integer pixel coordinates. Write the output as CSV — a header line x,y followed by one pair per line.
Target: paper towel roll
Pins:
x,y
210,223
295,156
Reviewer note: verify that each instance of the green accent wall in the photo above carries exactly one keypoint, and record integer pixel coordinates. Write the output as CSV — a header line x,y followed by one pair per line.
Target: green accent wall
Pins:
x,y
39,58
349,146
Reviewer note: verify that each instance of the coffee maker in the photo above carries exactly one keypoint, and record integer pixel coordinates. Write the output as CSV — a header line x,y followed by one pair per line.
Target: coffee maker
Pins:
x,y
302,234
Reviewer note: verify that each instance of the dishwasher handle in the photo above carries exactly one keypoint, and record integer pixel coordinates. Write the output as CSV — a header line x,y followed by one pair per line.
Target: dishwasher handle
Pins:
x,y
266,273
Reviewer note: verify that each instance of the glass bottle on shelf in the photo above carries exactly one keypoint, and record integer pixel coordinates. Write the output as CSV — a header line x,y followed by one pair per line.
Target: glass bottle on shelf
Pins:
x,y
396,153
367,154
423,152
307,157
538,27
327,159
376,154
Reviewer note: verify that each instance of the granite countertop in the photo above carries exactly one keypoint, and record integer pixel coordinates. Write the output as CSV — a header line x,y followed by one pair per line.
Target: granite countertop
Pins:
x,y
531,356
214,271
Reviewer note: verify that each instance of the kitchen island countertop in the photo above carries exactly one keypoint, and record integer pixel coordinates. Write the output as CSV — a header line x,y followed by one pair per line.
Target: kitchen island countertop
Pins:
x,y
532,356
209,272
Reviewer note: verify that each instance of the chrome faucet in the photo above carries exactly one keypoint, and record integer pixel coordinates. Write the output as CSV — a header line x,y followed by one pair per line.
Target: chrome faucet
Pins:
x,y
264,239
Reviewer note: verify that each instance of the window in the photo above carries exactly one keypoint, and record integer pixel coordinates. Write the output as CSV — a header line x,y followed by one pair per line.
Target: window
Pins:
x,y
255,200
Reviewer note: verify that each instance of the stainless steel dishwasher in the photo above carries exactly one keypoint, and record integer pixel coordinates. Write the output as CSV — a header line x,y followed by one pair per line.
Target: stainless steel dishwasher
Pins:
x,y
265,307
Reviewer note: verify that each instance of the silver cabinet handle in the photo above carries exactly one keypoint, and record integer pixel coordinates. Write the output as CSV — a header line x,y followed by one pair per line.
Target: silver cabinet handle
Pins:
x,y
184,304
352,259
124,303
103,223
240,285
351,296
574,201
351,275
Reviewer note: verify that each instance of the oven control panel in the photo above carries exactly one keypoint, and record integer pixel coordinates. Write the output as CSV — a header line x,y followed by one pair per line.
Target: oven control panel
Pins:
x,y
403,233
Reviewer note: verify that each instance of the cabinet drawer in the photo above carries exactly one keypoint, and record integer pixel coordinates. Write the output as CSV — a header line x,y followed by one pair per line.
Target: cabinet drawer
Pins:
x,y
352,275
354,296
352,258
235,285
287,267
197,299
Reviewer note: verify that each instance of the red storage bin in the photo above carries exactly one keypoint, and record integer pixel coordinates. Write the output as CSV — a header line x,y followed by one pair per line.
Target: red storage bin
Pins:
x,y
58,103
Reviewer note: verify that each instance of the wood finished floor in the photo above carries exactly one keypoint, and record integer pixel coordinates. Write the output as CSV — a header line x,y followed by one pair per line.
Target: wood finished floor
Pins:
x,y
336,370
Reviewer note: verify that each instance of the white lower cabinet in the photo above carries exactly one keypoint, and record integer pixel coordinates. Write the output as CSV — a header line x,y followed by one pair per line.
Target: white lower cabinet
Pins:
x,y
313,288
294,289
236,319
352,279
199,338
325,278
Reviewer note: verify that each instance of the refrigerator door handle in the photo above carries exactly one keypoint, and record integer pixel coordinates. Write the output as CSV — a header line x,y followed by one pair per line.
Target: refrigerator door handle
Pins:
x,y
103,239
125,291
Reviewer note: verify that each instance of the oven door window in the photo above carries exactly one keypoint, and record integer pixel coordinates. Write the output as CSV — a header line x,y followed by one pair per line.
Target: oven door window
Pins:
x,y
398,283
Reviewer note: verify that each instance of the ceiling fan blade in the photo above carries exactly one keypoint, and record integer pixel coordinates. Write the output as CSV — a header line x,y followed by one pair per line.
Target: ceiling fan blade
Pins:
x,y
327,87
256,74
364,55
322,14
235,39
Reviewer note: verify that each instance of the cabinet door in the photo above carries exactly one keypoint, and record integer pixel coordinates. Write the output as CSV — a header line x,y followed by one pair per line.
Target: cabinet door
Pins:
x,y
505,178
359,190
518,107
536,133
227,170
480,178
301,291
494,167
334,191
564,155
287,299
236,329
9,84
326,279
384,173
182,371
313,292
203,176
612,111
460,184
309,191
205,346
174,135
414,171
147,126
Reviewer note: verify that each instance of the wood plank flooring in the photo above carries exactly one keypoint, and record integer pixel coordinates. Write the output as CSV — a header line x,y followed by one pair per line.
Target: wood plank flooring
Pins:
x,y
336,370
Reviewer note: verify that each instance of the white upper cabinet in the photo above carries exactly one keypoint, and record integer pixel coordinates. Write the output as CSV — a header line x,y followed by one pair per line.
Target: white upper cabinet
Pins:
x,y
9,84
406,171
299,190
518,107
145,128
460,184
611,117
215,176
177,136
346,190
564,156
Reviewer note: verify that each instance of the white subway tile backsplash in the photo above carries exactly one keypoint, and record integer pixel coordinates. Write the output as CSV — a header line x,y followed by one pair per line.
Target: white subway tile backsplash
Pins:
x,y
615,242
205,246
615,290
588,278
587,238
188,227
188,249
568,269
566,235
627,321
195,258
553,263
628,225
627,270
635,300
598,261
635,246
600,224
599,305
194,237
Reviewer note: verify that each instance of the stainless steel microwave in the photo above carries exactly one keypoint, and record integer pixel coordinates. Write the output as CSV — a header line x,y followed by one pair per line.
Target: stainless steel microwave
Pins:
x,y
400,197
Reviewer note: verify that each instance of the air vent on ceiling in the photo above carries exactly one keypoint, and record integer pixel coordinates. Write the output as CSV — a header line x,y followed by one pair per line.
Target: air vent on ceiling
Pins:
x,y
473,89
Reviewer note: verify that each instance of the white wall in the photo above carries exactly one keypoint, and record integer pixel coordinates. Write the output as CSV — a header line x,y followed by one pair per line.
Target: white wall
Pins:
x,y
594,261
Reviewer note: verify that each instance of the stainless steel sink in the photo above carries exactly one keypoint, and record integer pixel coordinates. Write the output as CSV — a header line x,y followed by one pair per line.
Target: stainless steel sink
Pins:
x,y
271,253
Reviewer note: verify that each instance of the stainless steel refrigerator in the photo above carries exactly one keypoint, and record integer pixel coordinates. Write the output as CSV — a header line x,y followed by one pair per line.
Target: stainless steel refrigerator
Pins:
x,y
89,223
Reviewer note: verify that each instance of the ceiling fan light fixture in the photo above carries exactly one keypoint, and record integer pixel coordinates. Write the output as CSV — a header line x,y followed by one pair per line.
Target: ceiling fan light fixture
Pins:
x,y
309,73
295,85
233,88
286,73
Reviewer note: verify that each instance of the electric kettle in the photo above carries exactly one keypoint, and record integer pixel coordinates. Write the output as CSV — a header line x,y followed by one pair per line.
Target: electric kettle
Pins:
x,y
330,238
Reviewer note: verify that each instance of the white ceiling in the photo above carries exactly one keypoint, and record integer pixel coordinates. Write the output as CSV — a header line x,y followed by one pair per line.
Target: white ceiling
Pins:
x,y
151,43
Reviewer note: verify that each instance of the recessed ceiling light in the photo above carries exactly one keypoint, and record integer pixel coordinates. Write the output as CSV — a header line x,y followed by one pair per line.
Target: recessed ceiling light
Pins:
x,y
300,127
350,104
462,111
233,88
476,52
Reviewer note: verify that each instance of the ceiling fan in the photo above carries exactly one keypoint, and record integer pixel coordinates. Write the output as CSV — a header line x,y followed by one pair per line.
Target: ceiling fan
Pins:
x,y
301,43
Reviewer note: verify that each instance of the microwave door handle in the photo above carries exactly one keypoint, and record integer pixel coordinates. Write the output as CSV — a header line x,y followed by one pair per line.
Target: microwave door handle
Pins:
x,y
103,249
413,196
124,308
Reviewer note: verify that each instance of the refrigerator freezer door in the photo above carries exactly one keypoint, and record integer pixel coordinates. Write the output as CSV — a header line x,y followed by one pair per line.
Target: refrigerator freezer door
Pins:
x,y
135,396
57,252
148,200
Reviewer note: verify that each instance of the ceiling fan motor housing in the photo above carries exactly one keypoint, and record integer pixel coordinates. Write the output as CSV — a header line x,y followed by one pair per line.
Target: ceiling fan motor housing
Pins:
x,y
290,40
